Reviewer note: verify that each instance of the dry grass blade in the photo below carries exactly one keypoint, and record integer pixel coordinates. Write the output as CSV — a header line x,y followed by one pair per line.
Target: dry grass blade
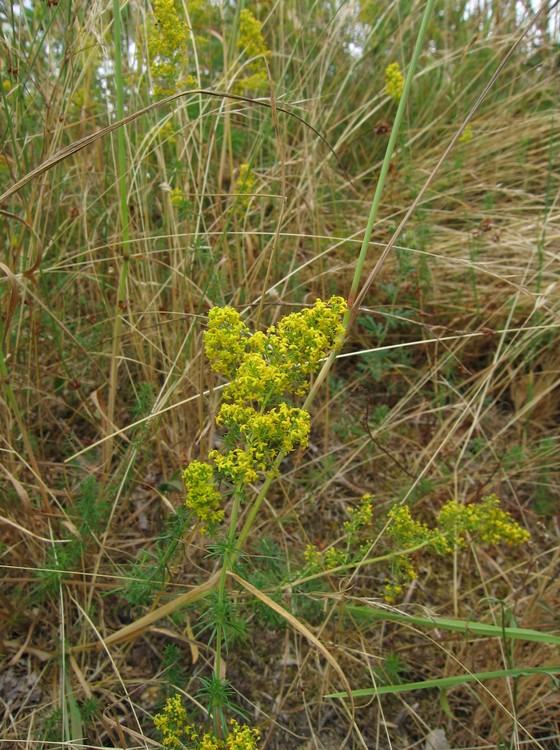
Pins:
x,y
142,624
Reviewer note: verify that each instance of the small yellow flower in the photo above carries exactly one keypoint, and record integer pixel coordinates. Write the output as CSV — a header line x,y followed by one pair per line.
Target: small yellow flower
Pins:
x,y
177,196
466,135
394,81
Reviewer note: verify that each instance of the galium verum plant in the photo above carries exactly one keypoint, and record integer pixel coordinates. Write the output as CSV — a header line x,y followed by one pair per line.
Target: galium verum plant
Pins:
x,y
267,371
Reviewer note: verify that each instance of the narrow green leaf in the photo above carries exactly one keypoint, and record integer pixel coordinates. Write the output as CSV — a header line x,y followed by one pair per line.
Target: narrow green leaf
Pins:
x,y
447,682
467,627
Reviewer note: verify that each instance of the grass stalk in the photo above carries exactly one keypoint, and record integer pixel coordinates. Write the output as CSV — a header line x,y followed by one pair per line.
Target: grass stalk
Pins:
x,y
444,683
395,130
125,232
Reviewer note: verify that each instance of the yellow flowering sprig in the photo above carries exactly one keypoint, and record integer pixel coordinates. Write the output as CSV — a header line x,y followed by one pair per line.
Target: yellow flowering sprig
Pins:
x,y
244,187
168,38
266,434
172,723
225,341
270,365
261,426
251,44
175,729
359,518
394,81
484,522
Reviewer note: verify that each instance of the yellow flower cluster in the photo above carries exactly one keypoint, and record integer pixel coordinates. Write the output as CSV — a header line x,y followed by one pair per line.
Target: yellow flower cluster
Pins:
x,y
403,571
242,737
202,496
265,366
327,560
264,369
360,516
486,522
466,135
168,38
280,429
167,133
250,43
177,196
394,81
404,530
244,187
174,727
225,341
172,722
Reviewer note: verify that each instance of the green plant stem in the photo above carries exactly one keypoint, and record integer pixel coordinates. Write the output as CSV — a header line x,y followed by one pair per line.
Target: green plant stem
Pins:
x,y
447,682
358,564
123,206
228,560
352,297
388,156
247,526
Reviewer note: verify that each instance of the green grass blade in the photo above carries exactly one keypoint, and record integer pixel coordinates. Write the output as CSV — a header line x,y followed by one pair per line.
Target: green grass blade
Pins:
x,y
467,627
447,682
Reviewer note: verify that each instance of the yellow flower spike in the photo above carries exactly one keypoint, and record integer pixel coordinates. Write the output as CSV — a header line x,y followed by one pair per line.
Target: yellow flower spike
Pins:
x,y
244,187
250,39
176,196
225,340
202,497
168,38
359,517
313,558
334,557
394,81
485,522
265,368
404,530
237,465
209,742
